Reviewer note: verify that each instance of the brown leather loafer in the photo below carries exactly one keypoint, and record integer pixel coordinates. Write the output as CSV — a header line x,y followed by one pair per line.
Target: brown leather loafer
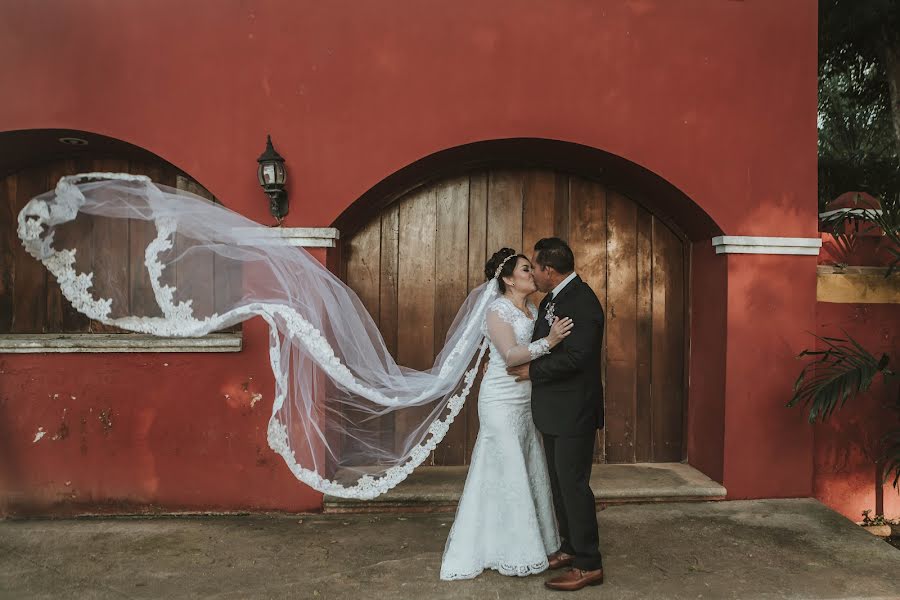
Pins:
x,y
559,560
575,579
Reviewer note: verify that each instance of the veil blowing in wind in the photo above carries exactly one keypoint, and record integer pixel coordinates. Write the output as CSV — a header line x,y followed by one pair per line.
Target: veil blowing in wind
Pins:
x,y
334,377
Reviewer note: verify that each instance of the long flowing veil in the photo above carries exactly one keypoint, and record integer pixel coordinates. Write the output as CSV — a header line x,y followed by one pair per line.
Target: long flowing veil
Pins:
x,y
209,268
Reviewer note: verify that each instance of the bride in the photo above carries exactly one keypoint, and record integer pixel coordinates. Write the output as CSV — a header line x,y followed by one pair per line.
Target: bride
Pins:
x,y
505,520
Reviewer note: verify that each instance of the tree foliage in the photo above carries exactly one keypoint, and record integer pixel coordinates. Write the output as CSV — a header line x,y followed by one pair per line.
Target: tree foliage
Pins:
x,y
859,115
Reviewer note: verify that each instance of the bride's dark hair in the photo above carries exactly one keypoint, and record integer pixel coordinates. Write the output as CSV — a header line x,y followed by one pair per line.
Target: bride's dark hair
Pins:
x,y
509,266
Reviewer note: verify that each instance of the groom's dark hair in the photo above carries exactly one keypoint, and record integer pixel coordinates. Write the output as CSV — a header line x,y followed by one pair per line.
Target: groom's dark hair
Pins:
x,y
554,252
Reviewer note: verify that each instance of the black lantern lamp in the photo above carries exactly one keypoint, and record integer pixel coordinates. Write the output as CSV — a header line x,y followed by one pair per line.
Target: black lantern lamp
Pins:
x,y
271,177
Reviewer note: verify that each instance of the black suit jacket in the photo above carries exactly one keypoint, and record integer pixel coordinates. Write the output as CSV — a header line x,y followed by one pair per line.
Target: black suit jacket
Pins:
x,y
567,392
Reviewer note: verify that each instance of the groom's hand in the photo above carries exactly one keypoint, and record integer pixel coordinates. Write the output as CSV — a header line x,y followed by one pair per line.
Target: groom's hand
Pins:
x,y
520,372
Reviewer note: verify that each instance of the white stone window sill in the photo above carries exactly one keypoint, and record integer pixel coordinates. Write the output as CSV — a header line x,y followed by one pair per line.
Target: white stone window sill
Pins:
x,y
35,343
307,237
742,244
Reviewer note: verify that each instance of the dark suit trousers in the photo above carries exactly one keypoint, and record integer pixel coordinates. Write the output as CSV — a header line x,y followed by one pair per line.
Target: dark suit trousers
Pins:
x,y
569,461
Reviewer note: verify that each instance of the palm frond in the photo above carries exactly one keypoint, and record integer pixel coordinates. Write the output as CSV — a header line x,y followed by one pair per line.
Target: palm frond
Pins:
x,y
839,372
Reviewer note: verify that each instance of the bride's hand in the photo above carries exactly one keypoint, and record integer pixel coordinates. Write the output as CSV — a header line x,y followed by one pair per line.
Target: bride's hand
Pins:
x,y
560,330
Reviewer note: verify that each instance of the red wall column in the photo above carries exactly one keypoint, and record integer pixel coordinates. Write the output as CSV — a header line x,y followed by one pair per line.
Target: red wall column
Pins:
x,y
706,389
771,308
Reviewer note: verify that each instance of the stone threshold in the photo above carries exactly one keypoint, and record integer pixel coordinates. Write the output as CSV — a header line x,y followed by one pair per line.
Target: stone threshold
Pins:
x,y
438,489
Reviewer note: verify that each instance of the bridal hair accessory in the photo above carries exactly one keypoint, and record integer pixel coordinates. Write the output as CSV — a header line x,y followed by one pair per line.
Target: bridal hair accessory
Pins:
x,y
503,262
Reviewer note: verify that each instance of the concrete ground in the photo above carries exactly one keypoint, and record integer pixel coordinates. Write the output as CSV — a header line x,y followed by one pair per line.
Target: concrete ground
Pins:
x,y
747,549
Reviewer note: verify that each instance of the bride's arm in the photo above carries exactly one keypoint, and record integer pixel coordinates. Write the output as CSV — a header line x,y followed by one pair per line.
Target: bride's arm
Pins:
x,y
504,338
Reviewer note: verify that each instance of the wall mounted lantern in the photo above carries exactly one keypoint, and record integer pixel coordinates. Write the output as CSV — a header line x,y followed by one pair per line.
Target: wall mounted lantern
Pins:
x,y
271,177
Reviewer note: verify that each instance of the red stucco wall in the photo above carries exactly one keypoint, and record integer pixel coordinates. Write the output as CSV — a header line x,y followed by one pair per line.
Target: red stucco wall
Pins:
x,y
716,97
142,432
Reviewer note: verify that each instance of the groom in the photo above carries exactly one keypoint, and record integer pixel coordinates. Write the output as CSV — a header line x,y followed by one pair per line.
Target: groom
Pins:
x,y
567,404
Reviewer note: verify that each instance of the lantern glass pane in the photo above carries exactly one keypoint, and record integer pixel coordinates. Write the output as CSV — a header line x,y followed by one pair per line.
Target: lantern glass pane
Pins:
x,y
268,171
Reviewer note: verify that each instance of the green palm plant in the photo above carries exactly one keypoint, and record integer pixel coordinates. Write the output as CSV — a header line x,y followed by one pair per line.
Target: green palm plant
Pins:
x,y
841,371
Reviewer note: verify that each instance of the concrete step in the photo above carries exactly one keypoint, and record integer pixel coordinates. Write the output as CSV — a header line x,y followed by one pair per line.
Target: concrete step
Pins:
x,y
437,489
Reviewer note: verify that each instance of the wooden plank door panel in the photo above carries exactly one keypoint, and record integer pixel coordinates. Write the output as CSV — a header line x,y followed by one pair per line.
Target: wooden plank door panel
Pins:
x,y
643,434
621,334
388,318
363,266
415,296
668,343
504,222
451,289
587,235
195,269
478,255
30,287
8,242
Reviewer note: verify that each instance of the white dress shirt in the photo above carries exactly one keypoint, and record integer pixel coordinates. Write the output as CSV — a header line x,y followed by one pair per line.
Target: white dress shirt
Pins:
x,y
561,285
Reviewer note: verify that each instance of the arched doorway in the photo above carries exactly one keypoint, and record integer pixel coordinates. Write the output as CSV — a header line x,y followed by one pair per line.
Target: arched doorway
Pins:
x,y
32,162
414,262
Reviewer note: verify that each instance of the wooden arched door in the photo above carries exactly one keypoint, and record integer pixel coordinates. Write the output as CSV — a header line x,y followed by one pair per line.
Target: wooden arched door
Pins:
x,y
413,264
31,300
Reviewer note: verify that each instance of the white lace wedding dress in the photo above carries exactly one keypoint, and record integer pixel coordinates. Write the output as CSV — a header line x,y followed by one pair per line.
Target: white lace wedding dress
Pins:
x,y
505,518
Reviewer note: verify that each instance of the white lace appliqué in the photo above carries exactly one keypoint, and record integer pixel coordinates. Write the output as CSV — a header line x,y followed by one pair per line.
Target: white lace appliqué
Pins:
x,y
539,348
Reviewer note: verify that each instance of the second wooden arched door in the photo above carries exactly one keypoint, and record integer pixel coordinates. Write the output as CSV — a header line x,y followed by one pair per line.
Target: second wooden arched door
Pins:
x,y
413,264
